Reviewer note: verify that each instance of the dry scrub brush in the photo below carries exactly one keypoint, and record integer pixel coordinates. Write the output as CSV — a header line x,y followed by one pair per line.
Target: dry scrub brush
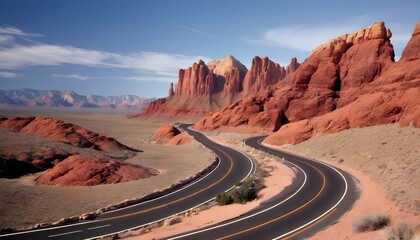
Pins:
x,y
400,231
370,222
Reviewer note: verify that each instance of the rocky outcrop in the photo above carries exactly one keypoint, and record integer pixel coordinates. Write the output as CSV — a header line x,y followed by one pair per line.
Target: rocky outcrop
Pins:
x,y
180,139
293,66
351,81
171,135
64,132
88,171
263,73
201,88
197,80
205,88
171,91
166,132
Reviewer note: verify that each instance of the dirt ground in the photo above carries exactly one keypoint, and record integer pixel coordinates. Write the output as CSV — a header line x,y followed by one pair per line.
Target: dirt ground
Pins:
x,y
23,203
385,159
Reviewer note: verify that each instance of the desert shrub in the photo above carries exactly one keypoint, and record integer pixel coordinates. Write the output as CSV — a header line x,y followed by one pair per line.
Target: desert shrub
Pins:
x,y
243,192
401,231
224,199
172,221
370,223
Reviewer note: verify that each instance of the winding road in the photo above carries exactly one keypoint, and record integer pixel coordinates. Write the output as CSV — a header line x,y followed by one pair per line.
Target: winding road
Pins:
x,y
232,167
318,197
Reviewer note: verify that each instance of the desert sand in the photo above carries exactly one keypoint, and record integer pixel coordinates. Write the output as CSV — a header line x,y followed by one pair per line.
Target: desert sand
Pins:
x,y
385,160
23,203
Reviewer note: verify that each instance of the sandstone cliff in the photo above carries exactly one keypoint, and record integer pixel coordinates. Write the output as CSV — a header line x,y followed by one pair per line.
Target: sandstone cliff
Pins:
x,y
351,81
204,88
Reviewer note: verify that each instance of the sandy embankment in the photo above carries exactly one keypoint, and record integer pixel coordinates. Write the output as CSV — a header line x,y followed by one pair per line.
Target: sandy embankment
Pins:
x,y
385,159
23,203
280,176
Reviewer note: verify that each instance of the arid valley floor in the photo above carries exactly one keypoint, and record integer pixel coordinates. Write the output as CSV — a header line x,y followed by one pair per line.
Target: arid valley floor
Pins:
x,y
384,159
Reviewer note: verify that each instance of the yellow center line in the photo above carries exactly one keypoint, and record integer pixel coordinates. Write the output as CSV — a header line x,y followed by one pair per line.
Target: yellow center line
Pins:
x,y
285,215
177,200
310,225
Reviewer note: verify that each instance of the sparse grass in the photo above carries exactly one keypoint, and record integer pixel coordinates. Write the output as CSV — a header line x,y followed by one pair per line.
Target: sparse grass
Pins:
x,y
370,222
400,231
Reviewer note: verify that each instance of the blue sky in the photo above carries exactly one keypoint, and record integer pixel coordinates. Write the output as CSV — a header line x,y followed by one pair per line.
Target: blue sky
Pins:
x,y
136,47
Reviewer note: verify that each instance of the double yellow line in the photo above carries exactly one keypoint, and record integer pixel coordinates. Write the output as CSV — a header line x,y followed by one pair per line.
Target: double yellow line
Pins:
x,y
289,213
179,199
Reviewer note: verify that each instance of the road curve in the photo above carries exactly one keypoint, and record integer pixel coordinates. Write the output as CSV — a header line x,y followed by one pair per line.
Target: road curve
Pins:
x,y
233,167
318,197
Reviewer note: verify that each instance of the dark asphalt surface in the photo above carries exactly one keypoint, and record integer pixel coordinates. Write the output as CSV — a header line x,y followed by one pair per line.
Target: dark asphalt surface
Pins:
x,y
233,167
301,210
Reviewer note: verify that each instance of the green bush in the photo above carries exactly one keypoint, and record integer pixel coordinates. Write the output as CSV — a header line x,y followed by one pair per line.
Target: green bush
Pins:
x,y
243,192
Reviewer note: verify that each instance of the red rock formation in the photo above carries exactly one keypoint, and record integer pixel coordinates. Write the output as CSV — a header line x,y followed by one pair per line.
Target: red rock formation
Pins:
x,y
166,132
171,91
201,89
263,73
350,81
293,66
180,139
63,132
171,135
88,171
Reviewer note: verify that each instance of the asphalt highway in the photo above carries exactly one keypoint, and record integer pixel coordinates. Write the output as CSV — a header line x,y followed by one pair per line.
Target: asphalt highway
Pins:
x,y
233,167
318,197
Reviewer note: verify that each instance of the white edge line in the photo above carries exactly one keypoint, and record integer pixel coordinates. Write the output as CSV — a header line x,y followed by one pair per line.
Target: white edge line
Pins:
x,y
154,199
62,234
249,216
45,229
329,210
146,224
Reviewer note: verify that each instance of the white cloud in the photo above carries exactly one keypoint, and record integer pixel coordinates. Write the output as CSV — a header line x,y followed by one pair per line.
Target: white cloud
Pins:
x,y
306,38
8,75
160,65
6,39
15,31
73,76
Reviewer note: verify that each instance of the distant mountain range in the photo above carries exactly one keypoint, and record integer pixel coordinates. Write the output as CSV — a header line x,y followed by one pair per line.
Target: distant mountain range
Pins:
x,y
58,98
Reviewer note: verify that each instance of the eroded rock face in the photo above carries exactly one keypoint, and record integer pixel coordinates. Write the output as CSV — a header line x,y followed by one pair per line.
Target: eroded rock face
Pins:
x,y
263,73
64,132
351,81
88,171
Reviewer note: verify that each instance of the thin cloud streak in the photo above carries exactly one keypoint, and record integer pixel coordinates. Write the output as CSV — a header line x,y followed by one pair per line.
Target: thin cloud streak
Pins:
x,y
194,30
306,38
73,76
15,31
8,75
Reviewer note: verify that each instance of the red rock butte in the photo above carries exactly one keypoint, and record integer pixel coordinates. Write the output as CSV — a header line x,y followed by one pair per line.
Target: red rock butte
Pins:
x,y
204,88
350,81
